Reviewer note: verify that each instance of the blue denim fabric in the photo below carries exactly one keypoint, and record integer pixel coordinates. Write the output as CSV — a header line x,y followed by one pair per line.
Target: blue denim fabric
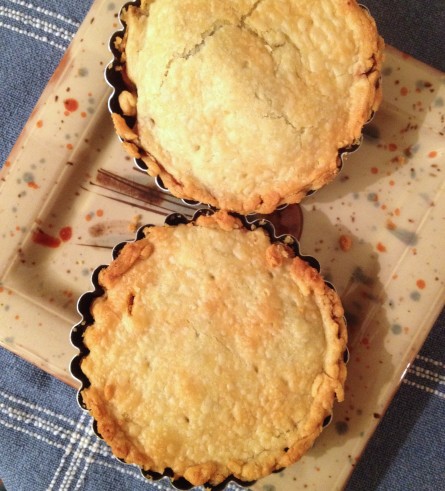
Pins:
x,y
33,38
46,441
407,451
414,27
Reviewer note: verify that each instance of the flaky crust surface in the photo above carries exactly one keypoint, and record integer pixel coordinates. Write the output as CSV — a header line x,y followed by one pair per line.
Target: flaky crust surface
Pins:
x,y
213,352
245,104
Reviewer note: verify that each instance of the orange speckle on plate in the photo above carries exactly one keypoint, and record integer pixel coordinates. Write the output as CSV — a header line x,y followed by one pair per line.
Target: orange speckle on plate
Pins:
x,y
39,123
66,233
17,317
420,284
345,242
397,212
392,147
398,159
381,247
69,146
432,154
392,183
88,217
390,225
83,114
1,289
33,185
8,163
365,341
403,91
100,213
374,170
71,105
66,113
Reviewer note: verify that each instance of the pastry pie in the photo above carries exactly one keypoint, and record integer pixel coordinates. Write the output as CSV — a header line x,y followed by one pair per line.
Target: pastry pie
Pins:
x,y
212,351
246,105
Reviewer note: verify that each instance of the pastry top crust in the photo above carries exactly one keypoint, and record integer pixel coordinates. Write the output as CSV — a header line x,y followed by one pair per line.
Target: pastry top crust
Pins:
x,y
213,352
245,104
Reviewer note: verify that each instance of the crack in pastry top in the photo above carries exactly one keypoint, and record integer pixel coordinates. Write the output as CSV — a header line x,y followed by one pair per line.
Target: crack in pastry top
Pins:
x,y
248,103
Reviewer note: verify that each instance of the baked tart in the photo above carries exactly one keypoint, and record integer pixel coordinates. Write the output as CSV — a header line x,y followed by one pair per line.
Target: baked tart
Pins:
x,y
245,105
210,351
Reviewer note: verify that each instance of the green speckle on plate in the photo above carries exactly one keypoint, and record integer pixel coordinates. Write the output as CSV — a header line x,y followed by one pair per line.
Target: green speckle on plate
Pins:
x,y
396,328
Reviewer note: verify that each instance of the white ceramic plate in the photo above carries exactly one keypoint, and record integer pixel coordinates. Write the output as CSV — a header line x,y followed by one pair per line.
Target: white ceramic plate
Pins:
x,y
68,194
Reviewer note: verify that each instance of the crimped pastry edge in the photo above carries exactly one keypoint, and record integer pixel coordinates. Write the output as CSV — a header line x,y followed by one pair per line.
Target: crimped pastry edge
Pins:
x,y
329,388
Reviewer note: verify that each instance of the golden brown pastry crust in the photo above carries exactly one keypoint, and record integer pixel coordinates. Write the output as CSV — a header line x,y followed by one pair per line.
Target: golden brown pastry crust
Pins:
x,y
213,352
247,107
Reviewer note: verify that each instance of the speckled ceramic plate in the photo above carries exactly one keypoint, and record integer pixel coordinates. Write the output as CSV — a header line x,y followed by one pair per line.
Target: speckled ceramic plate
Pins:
x,y
68,195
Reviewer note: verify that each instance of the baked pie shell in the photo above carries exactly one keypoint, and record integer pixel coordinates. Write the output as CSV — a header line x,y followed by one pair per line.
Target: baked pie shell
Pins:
x,y
98,399
266,195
